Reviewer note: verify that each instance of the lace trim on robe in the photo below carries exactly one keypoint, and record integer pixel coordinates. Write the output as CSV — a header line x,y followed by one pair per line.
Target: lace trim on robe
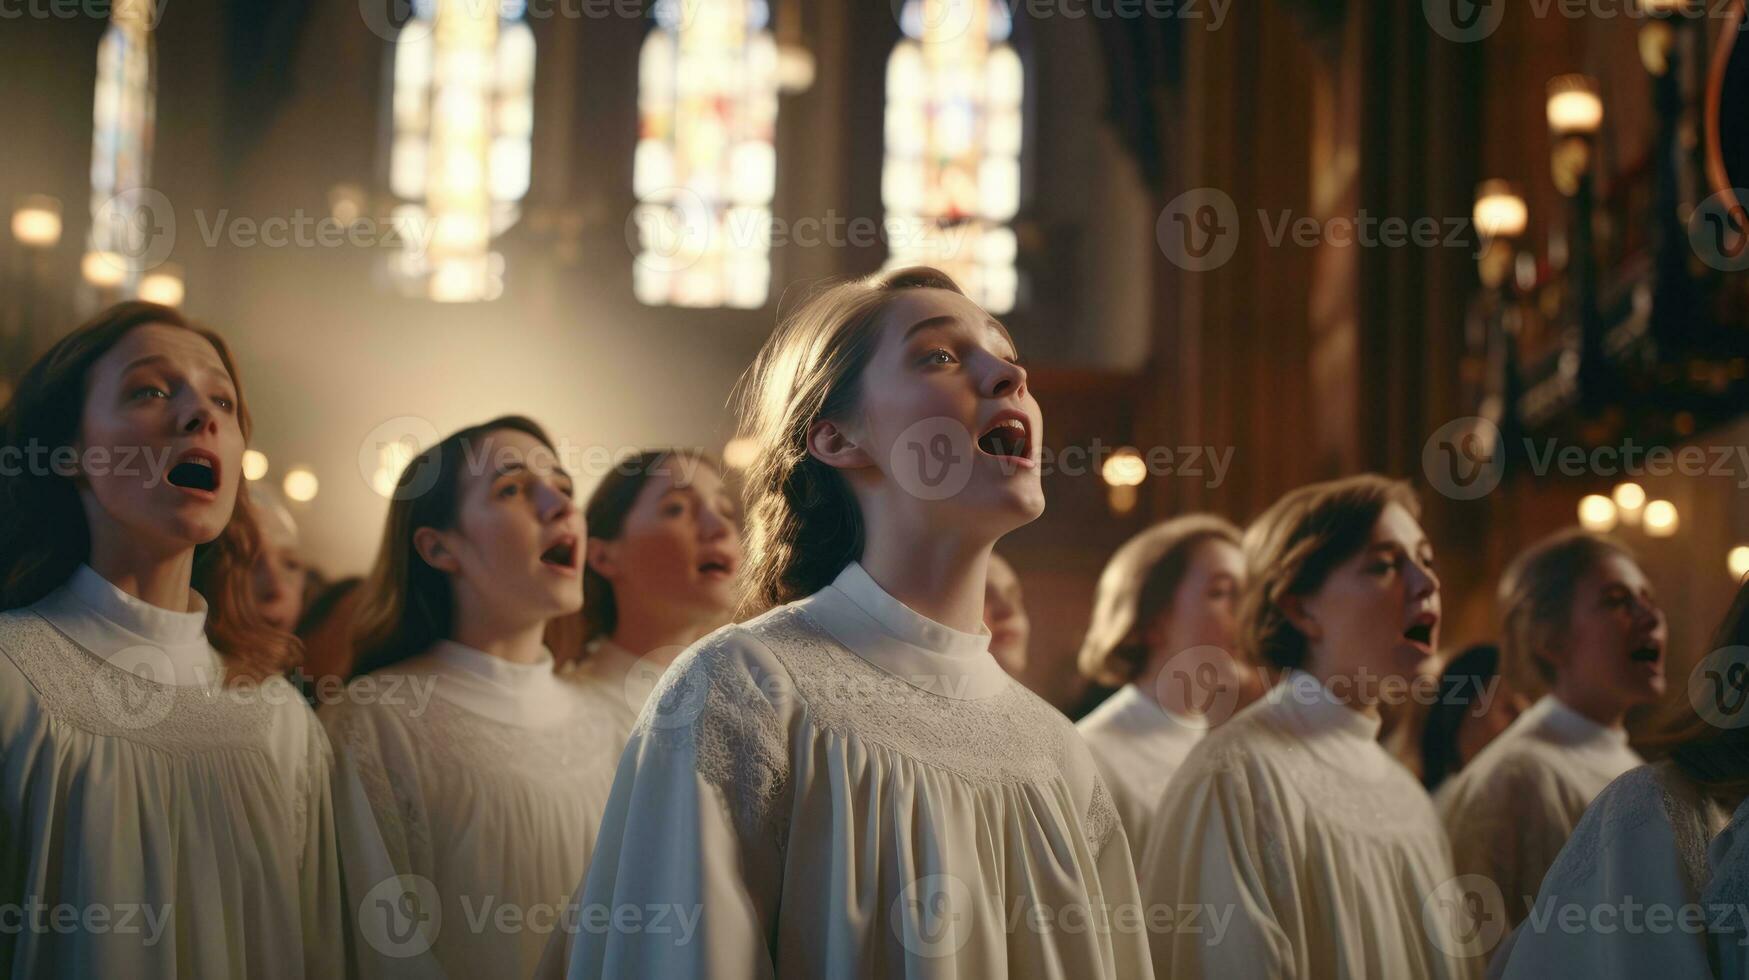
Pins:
x,y
1008,739
1636,799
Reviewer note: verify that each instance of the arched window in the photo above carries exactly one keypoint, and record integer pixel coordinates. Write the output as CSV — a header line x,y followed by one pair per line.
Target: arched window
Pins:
x,y
706,163
459,162
951,179
122,116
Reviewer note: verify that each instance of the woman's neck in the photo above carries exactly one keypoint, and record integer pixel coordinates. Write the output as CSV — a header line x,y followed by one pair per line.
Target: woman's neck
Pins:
x,y
475,626
1342,686
656,637
943,580
160,580
1605,711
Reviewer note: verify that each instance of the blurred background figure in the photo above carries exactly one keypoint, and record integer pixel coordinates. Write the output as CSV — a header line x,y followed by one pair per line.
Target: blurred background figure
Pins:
x,y
326,630
1472,705
1164,632
1005,616
279,575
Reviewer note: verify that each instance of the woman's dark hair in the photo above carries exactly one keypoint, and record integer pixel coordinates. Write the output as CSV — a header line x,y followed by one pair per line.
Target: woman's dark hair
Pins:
x,y
1467,675
1713,754
43,534
605,517
406,605
1294,547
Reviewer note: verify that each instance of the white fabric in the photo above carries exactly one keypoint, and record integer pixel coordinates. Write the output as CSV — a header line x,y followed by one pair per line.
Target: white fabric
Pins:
x,y
486,781
843,788
1642,891
154,823
1510,810
1138,745
1324,852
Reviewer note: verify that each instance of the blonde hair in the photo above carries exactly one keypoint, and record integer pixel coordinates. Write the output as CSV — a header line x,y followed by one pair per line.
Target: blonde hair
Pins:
x,y
803,525
1536,600
1294,546
1136,586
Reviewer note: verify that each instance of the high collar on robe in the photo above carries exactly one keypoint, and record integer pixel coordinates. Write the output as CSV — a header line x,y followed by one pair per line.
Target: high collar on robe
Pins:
x,y
527,695
1132,713
891,635
148,640
1552,720
1338,734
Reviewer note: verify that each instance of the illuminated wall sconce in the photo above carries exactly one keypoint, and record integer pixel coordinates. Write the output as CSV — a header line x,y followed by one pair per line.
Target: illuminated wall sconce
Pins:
x,y
1500,217
740,453
254,464
1124,471
1575,114
36,221
1597,513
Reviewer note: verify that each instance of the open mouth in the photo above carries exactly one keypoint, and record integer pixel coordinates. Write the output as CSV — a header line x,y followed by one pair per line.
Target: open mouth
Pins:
x,y
195,471
716,567
1009,437
1421,631
561,555
1651,653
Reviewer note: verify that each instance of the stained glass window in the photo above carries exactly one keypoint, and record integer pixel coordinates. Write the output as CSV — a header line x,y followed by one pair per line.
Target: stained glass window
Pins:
x,y
122,117
706,163
463,124
951,180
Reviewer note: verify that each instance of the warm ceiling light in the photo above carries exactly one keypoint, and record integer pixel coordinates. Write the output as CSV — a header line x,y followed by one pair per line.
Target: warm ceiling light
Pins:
x,y
1574,107
254,464
301,485
1738,561
1500,210
1660,519
105,270
1125,468
1629,496
1597,513
163,285
36,222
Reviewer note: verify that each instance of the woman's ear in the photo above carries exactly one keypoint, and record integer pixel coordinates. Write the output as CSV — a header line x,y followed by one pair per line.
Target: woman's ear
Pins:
x,y
829,443
434,551
603,557
1301,616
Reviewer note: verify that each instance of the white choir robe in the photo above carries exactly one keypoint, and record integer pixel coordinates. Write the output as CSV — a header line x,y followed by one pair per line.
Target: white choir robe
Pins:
x,y
1321,851
474,784
181,827
1648,842
844,788
1138,745
1512,808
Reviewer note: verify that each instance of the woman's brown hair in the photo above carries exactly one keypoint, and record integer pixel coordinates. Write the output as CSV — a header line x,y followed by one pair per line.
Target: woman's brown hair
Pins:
x,y
605,517
1712,755
1536,601
803,525
1136,587
406,605
43,534
1294,547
